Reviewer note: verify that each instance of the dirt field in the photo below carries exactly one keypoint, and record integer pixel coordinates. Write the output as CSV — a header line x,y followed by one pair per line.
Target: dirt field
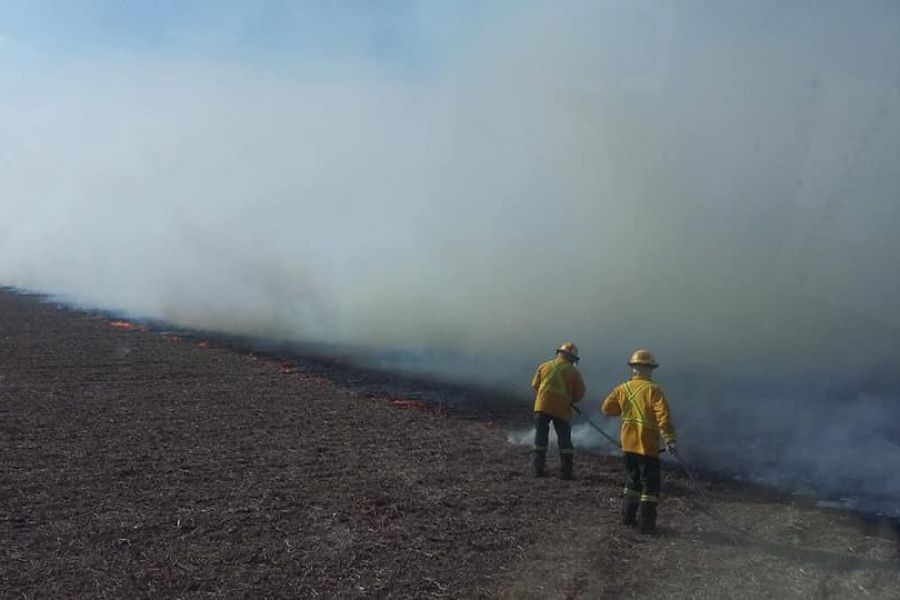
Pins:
x,y
141,465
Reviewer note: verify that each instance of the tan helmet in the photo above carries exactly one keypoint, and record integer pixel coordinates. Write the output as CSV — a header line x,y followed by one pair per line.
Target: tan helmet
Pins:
x,y
571,350
642,357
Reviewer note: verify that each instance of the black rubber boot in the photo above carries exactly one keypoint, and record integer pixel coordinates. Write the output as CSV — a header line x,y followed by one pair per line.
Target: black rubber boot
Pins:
x,y
629,511
540,461
567,462
648,517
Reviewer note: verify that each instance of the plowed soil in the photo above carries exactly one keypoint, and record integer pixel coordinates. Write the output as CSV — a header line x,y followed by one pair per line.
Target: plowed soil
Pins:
x,y
135,464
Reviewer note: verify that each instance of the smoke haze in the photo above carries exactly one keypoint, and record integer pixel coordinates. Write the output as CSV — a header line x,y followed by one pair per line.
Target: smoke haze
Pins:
x,y
719,185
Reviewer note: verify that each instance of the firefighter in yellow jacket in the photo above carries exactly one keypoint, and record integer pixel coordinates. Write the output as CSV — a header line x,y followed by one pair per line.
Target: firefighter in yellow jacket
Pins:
x,y
558,385
645,417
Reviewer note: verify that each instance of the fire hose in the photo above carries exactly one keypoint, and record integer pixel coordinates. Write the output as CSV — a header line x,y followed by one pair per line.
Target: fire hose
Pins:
x,y
695,483
603,433
698,487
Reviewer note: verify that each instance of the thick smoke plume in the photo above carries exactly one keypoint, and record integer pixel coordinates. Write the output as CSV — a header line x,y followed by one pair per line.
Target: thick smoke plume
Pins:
x,y
718,185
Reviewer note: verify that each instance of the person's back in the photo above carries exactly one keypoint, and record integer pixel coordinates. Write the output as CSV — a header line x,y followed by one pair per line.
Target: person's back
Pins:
x,y
557,384
645,414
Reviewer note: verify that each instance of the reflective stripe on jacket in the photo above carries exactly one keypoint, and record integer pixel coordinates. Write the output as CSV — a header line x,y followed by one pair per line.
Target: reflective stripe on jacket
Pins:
x,y
558,385
645,415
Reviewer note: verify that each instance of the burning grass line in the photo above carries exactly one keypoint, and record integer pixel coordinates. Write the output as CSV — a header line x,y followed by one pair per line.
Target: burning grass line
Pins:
x,y
127,326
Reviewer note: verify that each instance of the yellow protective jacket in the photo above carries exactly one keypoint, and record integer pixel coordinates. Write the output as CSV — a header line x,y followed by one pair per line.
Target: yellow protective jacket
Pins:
x,y
558,385
645,415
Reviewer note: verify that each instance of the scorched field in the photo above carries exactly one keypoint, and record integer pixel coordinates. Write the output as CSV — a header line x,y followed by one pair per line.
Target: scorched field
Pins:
x,y
139,464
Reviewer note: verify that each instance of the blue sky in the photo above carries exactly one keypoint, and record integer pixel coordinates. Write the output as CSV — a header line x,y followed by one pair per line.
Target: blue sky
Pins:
x,y
401,33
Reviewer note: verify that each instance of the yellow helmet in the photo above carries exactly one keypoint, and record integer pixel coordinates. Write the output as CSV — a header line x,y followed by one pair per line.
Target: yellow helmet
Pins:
x,y
570,349
642,357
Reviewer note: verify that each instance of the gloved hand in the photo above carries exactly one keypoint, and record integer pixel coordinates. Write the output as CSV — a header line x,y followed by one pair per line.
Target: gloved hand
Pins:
x,y
671,448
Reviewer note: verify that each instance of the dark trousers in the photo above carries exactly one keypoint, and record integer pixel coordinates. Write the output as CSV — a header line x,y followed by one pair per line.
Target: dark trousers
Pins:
x,y
641,491
541,441
542,433
643,479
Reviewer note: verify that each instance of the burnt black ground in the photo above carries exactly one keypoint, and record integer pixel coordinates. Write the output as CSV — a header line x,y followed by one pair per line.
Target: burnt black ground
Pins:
x,y
136,464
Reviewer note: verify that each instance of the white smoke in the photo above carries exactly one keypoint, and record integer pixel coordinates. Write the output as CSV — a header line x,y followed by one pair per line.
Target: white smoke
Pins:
x,y
717,185
583,436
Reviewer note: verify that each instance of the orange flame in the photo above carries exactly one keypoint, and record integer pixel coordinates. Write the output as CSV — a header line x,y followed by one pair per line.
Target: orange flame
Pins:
x,y
126,326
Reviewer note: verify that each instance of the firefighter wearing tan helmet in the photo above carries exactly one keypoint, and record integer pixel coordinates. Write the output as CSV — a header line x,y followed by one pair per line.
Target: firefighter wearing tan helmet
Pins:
x,y
645,417
557,385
